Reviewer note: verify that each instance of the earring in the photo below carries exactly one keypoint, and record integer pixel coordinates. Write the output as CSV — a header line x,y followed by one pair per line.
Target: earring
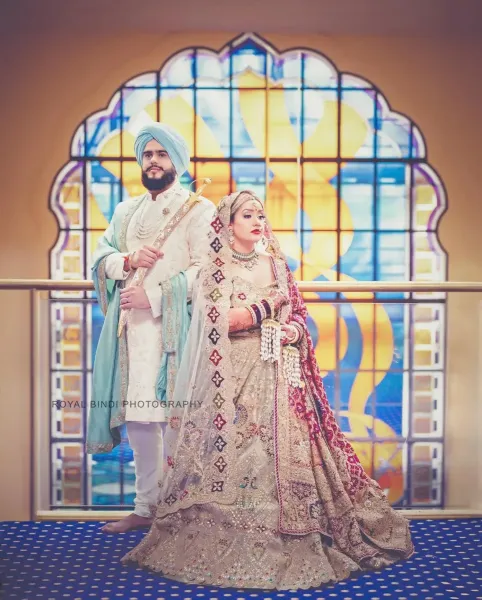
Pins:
x,y
231,237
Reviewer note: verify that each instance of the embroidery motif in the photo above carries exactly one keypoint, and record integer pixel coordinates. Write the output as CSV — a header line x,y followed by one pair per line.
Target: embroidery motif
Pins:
x,y
219,422
315,510
220,443
215,295
215,358
301,490
214,336
217,379
220,464
218,401
218,276
241,416
170,500
175,422
217,225
213,314
216,245
217,487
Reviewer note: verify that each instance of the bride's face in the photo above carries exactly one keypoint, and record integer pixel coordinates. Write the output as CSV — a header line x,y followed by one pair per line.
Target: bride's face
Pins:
x,y
248,225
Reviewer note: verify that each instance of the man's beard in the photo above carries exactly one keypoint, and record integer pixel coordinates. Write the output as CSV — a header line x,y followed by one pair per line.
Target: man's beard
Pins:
x,y
154,184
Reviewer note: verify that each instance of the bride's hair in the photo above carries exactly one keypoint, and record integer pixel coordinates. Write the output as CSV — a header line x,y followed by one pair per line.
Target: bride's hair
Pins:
x,y
243,197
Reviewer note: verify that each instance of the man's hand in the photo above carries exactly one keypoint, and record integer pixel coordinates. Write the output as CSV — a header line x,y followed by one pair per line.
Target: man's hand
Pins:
x,y
134,297
145,257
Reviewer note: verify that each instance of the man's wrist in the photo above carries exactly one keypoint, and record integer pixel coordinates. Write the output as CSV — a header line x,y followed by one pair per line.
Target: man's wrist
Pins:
x,y
129,262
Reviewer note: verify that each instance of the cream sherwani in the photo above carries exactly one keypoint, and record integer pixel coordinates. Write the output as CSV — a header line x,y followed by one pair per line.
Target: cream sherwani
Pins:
x,y
182,252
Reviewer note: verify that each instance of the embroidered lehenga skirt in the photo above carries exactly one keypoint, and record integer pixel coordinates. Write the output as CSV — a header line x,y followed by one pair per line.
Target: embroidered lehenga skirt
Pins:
x,y
240,545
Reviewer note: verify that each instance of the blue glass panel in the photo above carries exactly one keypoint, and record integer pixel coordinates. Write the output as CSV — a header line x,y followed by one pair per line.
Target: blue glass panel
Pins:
x,y
211,70
179,71
358,261
251,175
103,189
393,190
285,70
248,57
393,139
357,192
318,73
213,123
101,126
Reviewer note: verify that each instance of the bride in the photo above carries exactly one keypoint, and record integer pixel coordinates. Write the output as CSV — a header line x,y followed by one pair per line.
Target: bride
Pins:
x,y
261,488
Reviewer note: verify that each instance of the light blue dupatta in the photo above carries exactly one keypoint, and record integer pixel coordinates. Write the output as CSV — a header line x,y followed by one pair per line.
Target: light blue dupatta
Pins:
x,y
106,414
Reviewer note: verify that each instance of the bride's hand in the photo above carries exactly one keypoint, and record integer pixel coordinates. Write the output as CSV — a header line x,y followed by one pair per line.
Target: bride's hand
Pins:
x,y
278,299
290,334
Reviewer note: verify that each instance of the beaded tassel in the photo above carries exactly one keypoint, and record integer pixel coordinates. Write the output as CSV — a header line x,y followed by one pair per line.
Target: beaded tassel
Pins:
x,y
270,340
292,367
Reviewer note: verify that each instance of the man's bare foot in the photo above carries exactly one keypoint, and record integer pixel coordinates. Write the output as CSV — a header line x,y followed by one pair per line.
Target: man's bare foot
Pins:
x,y
128,523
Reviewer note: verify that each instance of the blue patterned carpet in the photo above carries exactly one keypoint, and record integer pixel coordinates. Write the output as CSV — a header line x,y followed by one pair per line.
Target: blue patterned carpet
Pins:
x,y
74,560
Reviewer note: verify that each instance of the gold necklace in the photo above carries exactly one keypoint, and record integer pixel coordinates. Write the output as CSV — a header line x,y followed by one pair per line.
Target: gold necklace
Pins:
x,y
248,261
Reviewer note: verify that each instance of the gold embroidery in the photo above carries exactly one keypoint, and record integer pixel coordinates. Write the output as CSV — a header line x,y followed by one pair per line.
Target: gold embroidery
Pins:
x,y
102,279
124,372
92,448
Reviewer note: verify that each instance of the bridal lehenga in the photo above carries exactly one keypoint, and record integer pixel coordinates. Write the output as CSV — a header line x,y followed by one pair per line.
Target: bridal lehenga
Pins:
x,y
262,489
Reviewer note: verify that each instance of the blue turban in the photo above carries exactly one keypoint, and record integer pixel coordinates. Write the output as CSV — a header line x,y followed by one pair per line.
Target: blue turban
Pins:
x,y
174,144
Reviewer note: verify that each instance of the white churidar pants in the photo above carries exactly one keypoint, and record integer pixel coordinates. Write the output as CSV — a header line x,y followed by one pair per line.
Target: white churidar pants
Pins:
x,y
146,440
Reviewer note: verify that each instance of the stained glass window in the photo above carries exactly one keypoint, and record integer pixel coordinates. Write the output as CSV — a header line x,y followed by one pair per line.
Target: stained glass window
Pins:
x,y
350,193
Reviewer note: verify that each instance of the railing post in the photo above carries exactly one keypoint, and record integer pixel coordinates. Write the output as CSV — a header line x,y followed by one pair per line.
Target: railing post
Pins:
x,y
33,373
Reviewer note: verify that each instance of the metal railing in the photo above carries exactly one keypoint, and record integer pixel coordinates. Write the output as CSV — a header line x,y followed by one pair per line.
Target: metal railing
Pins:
x,y
304,286
35,287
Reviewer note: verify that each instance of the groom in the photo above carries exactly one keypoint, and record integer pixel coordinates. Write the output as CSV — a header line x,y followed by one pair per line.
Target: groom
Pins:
x,y
161,233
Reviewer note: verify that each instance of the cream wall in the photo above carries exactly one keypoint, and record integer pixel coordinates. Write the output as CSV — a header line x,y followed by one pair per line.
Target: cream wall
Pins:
x,y
51,82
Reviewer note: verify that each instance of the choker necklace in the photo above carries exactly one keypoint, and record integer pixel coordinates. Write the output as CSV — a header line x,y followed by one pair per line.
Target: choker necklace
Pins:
x,y
248,261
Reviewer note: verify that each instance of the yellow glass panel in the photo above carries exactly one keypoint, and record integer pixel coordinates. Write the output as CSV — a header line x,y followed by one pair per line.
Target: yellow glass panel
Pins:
x,y
71,359
71,383
320,201
423,336
178,111
324,317
423,358
283,137
219,173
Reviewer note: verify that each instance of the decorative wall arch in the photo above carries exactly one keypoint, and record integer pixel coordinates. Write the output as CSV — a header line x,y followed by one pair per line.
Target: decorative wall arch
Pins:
x,y
349,190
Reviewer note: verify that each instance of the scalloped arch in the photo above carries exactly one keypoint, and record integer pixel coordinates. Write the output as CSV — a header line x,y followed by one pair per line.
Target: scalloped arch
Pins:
x,y
348,187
